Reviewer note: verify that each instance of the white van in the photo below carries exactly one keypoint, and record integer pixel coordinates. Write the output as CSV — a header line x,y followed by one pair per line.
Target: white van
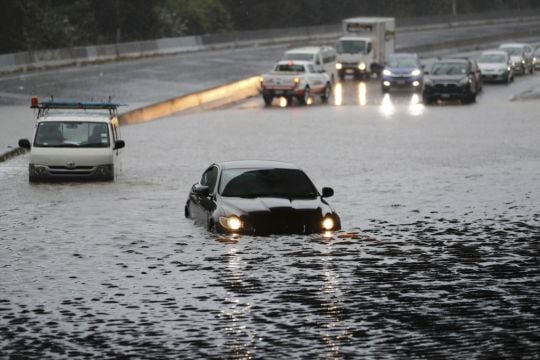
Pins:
x,y
324,56
79,142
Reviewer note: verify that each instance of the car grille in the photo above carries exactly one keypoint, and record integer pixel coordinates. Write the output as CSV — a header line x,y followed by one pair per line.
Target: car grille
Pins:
x,y
284,221
77,170
448,88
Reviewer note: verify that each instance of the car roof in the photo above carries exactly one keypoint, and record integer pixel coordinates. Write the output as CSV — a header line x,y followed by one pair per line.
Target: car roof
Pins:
x,y
76,116
500,52
298,62
456,60
255,164
512,45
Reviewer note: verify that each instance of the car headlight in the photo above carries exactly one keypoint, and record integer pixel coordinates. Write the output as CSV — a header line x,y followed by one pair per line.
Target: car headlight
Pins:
x,y
339,66
464,81
387,72
362,66
231,222
416,72
328,223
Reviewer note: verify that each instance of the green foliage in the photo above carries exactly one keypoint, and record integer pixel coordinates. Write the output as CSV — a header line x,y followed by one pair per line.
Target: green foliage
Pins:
x,y
42,24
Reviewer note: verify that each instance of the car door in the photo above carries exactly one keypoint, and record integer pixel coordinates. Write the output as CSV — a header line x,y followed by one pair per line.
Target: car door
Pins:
x,y
204,204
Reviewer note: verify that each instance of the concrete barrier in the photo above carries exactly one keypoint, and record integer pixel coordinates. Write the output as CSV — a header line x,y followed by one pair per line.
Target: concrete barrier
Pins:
x,y
207,99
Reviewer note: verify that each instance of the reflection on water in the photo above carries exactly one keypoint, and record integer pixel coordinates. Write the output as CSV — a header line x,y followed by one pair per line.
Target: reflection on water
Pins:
x,y
338,94
387,107
416,106
362,94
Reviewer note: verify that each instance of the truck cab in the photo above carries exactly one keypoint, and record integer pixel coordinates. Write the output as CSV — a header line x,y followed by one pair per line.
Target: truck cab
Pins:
x,y
364,46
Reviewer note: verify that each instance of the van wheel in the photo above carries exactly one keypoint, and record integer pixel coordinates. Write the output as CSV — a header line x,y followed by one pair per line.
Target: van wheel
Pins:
x,y
268,99
326,94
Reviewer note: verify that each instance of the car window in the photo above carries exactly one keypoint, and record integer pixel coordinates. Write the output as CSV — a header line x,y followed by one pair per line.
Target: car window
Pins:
x,y
286,183
298,56
290,68
452,68
492,58
72,134
209,178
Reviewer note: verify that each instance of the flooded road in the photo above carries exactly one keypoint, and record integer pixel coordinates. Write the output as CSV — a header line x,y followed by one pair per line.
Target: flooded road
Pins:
x,y
439,257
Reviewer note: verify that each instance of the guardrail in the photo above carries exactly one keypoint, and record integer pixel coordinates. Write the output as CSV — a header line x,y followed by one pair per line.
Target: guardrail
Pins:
x,y
24,61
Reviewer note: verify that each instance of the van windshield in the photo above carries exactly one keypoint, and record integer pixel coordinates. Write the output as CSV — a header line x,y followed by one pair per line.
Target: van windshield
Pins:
x,y
72,134
351,47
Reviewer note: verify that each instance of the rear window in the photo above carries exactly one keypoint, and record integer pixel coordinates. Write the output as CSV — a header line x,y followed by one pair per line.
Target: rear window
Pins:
x,y
290,68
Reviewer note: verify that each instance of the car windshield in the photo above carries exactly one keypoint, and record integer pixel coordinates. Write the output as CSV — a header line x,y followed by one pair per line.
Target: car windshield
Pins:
x,y
492,58
72,134
290,68
283,183
450,68
298,56
351,47
402,62
512,50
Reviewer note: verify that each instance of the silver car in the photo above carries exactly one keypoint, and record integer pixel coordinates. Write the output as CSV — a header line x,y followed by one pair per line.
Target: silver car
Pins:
x,y
521,56
495,65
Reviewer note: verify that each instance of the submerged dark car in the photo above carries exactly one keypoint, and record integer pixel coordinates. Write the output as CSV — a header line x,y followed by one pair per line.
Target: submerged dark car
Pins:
x,y
260,198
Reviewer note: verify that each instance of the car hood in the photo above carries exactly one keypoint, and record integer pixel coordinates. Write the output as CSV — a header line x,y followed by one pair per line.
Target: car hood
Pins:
x,y
516,58
492,66
443,78
401,71
243,206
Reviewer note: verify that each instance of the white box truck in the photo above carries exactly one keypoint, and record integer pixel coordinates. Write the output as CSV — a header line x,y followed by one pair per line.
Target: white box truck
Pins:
x,y
364,46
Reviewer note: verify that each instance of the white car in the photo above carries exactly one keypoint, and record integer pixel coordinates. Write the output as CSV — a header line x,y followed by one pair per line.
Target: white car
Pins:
x,y
295,79
495,65
521,56
74,140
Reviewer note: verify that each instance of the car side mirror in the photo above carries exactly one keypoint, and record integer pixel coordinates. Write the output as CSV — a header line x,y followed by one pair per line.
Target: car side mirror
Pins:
x,y
327,192
119,144
200,190
24,143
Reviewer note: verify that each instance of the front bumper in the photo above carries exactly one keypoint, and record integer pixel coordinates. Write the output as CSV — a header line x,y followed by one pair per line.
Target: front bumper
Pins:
x,y
495,76
447,91
282,91
405,82
63,173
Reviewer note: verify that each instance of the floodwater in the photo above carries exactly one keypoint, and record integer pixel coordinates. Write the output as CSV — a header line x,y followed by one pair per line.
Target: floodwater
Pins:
x,y
439,257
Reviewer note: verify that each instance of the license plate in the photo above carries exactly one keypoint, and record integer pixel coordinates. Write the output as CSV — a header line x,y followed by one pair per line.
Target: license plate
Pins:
x,y
349,71
278,92
401,82
445,96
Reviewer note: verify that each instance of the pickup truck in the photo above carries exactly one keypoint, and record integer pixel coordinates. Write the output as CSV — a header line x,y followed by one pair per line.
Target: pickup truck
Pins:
x,y
295,79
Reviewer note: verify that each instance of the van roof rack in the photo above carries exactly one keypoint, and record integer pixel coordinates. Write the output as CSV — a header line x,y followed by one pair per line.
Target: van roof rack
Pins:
x,y
43,107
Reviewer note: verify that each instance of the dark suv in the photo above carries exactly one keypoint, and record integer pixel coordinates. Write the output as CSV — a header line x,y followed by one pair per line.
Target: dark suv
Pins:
x,y
453,79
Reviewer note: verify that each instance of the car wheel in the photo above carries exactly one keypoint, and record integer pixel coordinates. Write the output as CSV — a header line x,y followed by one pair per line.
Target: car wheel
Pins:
x,y
326,93
268,99
304,99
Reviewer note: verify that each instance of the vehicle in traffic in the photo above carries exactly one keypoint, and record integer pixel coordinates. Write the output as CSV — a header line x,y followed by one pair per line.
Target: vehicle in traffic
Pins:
x,y
259,197
74,141
402,71
324,56
521,56
495,65
365,45
295,79
452,79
